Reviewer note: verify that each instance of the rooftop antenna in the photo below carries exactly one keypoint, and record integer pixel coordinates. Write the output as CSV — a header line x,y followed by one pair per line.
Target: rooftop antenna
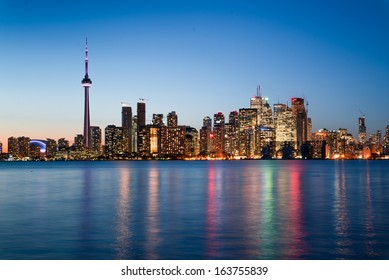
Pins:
x,y
259,91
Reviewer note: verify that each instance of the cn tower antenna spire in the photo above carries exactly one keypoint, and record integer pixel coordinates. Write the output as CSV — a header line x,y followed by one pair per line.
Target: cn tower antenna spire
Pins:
x,y
86,57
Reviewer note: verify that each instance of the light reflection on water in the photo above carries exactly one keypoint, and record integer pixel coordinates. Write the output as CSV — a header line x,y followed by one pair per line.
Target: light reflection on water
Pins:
x,y
195,210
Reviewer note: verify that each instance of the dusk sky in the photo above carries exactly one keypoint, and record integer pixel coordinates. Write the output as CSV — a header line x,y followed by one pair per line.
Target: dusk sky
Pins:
x,y
193,57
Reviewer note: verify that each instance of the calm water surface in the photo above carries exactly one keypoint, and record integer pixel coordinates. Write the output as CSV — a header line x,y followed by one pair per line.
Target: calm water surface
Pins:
x,y
195,210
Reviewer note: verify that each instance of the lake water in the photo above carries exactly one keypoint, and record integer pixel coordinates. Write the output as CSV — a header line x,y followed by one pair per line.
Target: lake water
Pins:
x,y
194,210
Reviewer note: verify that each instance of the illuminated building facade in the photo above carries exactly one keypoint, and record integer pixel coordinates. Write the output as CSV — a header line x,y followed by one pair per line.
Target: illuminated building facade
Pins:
x,y
385,143
218,135
79,143
13,146
301,120
247,123
286,129
206,137
96,139
63,144
127,126
362,131
51,148
141,123
114,141
231,144
191,141
172,119
173,137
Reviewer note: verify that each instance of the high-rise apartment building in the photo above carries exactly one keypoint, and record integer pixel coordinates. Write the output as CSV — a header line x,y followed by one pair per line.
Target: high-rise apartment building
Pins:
x,y
191,137
127,126
206,136
158,119
13,146
79,142
141,123
172,119
96,139
24,146
231,135
385,143
114,141
219,135
51,148
141,114
63,144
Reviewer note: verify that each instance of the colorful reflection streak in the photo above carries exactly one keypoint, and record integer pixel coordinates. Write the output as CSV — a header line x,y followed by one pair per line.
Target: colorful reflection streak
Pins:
x,y
123,232
342,222
152,220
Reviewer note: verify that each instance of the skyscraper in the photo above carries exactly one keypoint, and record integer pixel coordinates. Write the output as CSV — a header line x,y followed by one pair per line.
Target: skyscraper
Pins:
x,y
127,126
141,114
86,83
362,130
301,119
219,134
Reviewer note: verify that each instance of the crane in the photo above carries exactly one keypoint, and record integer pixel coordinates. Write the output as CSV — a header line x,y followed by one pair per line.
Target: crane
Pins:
x,y
363,115
143,99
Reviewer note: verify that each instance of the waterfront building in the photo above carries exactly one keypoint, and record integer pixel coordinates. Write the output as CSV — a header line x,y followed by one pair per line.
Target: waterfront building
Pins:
x,y
127,126
206,137
96,139
13,146
300,118
24,146
218,135
141,113
172,119
114,141
79,143
1,148
173,137
247,123
86,83
35,151
134,135
285,130
158,120
264,111
362,131
191,142
264,141
385,143
51,148
346,144
231,144
141,123
63,144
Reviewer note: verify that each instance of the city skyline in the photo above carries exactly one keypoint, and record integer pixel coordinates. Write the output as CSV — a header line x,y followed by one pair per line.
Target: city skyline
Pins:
x,y
211,62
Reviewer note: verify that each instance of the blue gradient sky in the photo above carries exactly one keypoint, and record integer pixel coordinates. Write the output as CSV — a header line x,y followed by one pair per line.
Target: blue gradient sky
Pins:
x,y
194,57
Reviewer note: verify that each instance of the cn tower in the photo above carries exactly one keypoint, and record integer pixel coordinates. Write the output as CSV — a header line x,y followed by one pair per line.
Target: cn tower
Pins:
x,y
86,83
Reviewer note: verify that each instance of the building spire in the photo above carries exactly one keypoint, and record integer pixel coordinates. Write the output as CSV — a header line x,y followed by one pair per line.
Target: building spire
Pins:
x,y
86,57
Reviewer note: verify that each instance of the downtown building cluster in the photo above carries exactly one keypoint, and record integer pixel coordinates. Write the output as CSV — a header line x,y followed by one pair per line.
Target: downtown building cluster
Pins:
x,y
260,131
